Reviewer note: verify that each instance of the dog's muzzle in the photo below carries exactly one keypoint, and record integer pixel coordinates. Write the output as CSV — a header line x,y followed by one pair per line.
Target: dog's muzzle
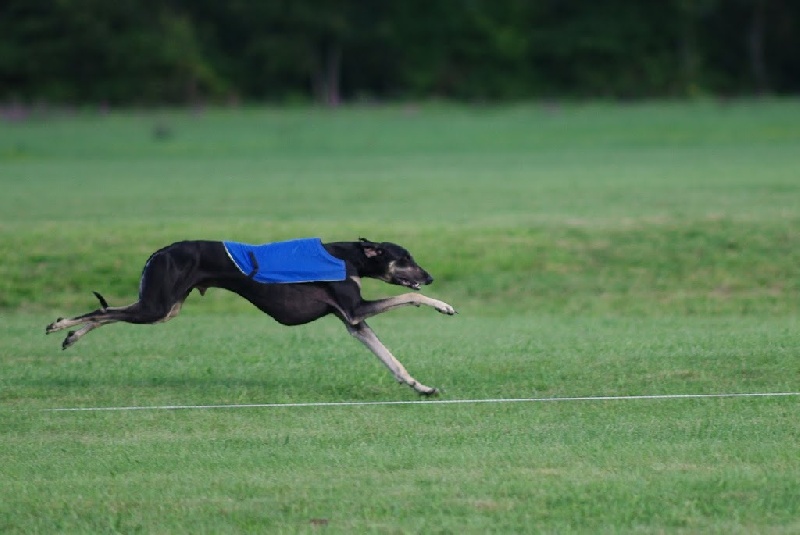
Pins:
x,y
413,284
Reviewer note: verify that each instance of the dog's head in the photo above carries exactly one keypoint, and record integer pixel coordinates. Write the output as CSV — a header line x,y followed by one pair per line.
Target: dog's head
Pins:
x,y
394,264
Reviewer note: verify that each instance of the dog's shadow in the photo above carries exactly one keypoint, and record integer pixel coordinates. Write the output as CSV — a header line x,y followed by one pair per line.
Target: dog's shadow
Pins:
x,y
208,388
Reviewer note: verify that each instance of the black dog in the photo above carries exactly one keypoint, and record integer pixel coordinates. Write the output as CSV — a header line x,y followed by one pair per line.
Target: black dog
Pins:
x,y
174,271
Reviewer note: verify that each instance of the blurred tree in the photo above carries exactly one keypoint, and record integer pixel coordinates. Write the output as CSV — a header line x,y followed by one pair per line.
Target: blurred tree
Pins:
x,y
131,51
81,50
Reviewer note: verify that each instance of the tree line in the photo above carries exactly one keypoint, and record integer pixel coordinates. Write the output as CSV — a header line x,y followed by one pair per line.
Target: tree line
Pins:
x,y
177,51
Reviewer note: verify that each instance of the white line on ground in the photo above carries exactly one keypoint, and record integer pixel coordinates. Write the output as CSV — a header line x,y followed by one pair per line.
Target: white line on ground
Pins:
x,y
424,402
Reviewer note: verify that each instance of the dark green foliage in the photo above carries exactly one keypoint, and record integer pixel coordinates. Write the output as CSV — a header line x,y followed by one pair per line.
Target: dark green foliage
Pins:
x,y
134,51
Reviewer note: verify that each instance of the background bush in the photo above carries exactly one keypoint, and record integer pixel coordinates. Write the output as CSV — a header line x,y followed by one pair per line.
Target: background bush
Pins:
x,y
146,51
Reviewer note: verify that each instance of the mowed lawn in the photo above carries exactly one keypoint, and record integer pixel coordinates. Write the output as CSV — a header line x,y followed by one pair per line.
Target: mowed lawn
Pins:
x,y
592,250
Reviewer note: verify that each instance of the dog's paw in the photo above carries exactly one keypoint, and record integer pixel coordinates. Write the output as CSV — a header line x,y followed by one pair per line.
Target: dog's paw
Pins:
x,y
444,308
69,340
53,327
423,390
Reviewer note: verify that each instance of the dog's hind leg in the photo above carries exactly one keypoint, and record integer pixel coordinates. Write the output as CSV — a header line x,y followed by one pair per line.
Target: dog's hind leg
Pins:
x,y
138,313
367,336
64,323
92,320
98,316
73,336
162,289
101,316
135,313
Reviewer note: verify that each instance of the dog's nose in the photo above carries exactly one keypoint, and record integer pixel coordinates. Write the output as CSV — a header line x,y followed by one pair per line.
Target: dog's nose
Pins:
x,y
428,279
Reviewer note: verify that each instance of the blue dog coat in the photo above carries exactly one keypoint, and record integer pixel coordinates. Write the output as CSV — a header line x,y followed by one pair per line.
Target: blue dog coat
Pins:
x,y
304,260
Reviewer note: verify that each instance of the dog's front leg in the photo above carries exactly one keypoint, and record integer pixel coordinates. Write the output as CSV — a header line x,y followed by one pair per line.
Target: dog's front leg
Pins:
x,y
368,337
367,309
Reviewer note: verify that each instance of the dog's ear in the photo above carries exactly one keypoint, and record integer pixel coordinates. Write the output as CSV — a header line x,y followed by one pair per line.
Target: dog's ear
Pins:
x,y
370,249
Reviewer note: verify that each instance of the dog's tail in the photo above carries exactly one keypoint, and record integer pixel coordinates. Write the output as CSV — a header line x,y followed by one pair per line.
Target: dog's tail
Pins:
x,y
103,302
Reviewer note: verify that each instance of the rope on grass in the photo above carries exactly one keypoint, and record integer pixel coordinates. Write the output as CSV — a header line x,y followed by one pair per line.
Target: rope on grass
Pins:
x,y
426,402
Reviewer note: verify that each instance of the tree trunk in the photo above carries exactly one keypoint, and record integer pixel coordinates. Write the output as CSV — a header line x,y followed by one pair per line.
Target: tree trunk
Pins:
x,y
689,55
328,75
755,48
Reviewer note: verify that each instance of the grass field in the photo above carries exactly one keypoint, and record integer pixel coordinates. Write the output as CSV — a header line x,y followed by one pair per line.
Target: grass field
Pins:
x,y
591,250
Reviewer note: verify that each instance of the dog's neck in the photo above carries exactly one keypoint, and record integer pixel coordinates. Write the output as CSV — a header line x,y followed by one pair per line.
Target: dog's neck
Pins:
x,y
353,254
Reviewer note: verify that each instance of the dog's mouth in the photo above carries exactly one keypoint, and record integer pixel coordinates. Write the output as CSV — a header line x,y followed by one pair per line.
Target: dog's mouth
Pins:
x,y
409,284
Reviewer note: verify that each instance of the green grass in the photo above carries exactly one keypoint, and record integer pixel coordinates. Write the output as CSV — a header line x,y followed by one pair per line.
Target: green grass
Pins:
x,y
592,250
720,465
